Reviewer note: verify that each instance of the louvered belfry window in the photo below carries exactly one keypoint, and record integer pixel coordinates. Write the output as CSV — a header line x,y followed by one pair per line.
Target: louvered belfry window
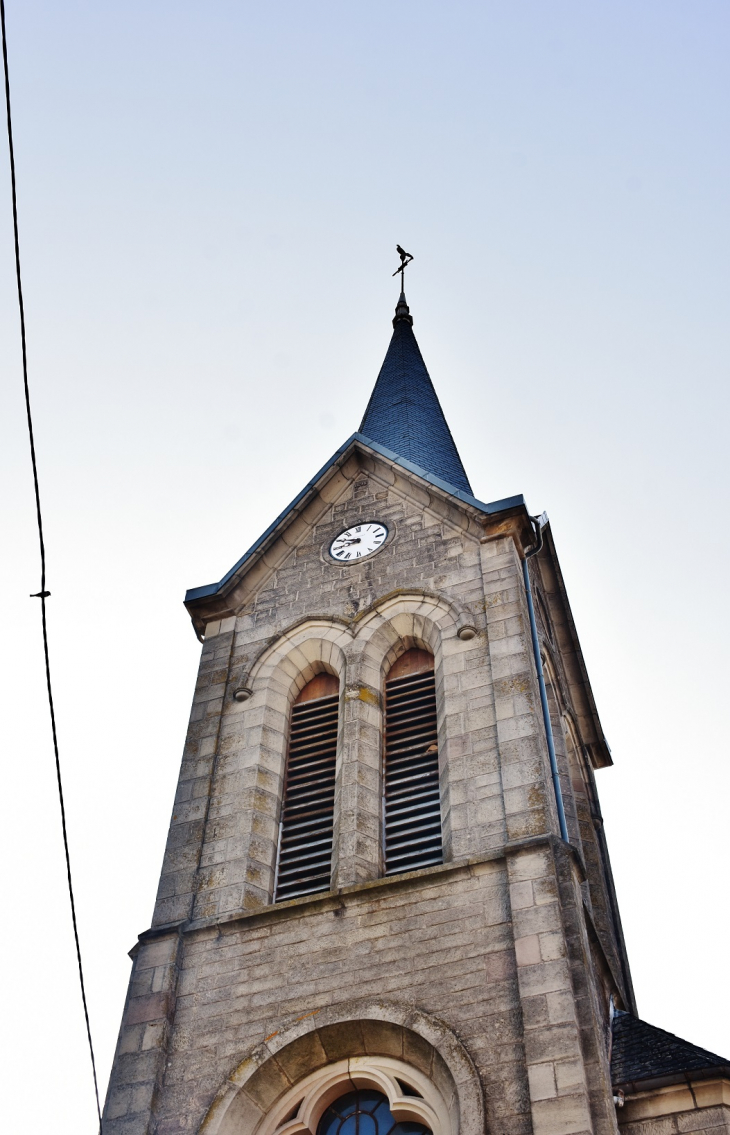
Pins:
x,y
412,821
304,862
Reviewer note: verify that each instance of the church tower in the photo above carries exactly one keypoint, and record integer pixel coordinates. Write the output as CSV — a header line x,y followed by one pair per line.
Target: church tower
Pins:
x,y
386,905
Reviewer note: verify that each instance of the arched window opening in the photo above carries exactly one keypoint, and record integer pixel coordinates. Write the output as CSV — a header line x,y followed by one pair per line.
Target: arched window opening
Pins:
x,y
304,862
562,754
581,791
365,1112
412,807
546,621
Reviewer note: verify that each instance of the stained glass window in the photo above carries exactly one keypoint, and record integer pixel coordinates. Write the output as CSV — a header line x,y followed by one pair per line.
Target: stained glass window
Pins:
x,y
365,1112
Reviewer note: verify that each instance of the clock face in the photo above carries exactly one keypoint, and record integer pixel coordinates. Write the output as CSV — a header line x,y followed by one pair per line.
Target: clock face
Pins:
x,y
358,542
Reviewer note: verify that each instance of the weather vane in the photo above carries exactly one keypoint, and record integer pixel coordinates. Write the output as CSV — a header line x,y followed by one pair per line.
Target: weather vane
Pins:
x,y
405,259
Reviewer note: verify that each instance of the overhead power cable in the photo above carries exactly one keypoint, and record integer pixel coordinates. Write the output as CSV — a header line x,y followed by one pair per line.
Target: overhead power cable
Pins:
x,y
43,594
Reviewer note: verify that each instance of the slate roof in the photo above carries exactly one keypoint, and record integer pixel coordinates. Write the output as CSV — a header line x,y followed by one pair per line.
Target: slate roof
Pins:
x,y
404,413
642,1052
405,424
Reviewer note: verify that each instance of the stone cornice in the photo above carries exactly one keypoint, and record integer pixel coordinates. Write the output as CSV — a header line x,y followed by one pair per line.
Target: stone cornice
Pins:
x,y
671,1094
332,900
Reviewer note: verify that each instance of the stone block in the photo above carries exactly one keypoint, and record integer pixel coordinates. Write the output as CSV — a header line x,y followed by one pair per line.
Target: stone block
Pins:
x,y
533,864
150,1008
302,1056
569,1074
547,977
713,1120
564,1115
521,896
554,1042
560,1006
527,950
552,945
342,1040
266,1085
118,1103
541,1078
536,919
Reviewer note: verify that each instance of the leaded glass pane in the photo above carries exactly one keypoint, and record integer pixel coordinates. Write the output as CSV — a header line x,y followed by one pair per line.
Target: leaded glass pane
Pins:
x,y
365,1112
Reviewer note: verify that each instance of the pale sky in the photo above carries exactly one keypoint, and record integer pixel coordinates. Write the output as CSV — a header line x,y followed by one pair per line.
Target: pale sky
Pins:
x,y
210,198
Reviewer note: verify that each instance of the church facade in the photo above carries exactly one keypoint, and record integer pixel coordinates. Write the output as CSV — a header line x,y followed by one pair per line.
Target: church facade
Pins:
x,y
386,904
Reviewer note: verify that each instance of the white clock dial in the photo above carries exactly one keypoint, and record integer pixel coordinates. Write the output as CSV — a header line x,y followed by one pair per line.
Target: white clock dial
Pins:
x,y
358,542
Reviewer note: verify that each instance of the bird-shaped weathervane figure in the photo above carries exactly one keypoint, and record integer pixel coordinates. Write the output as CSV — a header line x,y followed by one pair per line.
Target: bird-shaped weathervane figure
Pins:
x,y
405,259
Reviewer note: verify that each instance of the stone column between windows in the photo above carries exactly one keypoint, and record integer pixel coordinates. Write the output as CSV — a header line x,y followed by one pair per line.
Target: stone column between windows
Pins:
x,y
357,854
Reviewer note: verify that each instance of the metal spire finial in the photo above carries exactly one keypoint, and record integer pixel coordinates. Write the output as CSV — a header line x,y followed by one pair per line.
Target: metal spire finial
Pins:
x,y
405,259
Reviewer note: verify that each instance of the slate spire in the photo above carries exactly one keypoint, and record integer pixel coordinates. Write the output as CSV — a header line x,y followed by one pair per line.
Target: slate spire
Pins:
x,y
404,413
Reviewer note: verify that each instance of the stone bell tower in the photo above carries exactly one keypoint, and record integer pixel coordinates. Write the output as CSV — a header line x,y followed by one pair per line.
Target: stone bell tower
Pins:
x,y
386,905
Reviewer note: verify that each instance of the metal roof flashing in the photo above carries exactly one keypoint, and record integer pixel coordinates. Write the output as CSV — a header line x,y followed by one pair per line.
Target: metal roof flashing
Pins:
x,y
356,440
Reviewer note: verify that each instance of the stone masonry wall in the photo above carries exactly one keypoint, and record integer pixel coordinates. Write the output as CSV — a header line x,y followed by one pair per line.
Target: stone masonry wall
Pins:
x,y
697,1121
482,948
494,943
491,736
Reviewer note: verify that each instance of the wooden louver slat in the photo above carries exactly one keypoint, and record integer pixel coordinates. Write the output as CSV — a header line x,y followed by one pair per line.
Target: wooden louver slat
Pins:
x,y
411,774
305,841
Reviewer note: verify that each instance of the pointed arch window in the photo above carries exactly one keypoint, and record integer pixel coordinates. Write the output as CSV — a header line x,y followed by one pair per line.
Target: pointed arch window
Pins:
x,y
304,861
412,807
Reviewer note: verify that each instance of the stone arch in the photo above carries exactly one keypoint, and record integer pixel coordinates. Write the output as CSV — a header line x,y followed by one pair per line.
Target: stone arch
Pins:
x,y
394,624
418,598
299,1111
311,1060
304,650
404,619
255,756
311,648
